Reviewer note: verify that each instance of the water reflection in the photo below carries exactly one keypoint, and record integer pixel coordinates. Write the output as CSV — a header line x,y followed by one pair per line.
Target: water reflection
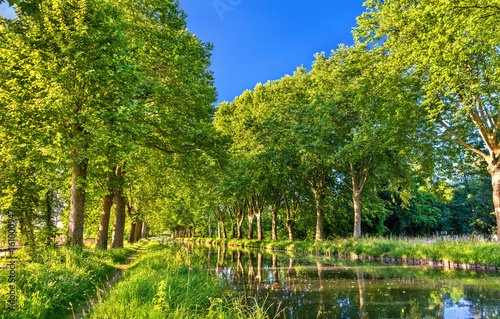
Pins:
x,y
309,286
362,294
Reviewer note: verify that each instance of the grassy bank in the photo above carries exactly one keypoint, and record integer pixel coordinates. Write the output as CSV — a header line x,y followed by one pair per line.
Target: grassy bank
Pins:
x,y
165,283
454,251
52,279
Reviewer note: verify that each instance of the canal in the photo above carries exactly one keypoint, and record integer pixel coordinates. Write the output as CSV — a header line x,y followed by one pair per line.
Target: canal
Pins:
x,y
310,286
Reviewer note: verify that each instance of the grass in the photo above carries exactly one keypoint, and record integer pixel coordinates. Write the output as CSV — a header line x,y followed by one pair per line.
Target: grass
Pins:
x,y
164,283
52,279
466,251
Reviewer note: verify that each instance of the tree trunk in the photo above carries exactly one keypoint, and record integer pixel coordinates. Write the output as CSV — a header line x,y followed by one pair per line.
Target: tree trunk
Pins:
x,y
131,233
289,224
358,177
133,223
494,170
137,235
318,197
209,217
77,201
274,231
120,206
138,231
224,233
102,236
145,229
357,214
239,224
260,235
250,227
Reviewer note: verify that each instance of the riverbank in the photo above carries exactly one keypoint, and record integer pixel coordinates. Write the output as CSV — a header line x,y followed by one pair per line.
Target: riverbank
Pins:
x,y
471,255
169,281
59,281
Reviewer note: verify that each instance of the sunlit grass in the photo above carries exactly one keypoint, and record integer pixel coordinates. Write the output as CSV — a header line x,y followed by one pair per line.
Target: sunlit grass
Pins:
x,y
48,281
165,283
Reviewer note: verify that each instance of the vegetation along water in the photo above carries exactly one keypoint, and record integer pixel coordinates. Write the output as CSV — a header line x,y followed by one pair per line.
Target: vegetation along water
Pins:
x,y
388,150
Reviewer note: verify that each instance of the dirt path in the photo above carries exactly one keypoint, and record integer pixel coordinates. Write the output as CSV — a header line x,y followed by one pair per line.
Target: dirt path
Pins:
x,y
86,309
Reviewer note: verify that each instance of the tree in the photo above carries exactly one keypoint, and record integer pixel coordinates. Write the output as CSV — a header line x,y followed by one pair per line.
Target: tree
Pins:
x,y
363,99
98,76
452,47
307,139
78,69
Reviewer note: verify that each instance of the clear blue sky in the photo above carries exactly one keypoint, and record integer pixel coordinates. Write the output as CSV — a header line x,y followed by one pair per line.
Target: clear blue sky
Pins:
x,y
260,40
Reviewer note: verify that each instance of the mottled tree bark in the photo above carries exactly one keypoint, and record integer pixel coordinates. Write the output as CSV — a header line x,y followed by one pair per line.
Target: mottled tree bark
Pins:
x,y
359,175
260,234
250,227
131,232
290,223
494,170
145,229
318,198
239,224
357,214
102,236
77,200
240,217
120,206
274,228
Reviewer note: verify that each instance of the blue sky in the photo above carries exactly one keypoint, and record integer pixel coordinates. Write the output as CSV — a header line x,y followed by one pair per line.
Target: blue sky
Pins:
x,y
257,40
260,40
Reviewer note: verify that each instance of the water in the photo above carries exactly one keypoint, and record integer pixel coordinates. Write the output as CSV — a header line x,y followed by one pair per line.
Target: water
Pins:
x,y
308,286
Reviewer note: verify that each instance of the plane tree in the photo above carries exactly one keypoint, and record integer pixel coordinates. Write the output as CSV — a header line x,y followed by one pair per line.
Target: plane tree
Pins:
x,y
452,48
363,100
105,79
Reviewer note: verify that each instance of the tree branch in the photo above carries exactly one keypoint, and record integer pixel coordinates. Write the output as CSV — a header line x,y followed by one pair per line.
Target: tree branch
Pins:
x,y
161,149
461,142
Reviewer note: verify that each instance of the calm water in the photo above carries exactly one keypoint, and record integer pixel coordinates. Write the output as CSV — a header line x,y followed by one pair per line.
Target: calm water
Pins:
x,y
307,286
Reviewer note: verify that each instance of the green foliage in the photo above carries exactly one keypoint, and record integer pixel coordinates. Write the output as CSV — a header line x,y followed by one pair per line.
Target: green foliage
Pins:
x,y
451,47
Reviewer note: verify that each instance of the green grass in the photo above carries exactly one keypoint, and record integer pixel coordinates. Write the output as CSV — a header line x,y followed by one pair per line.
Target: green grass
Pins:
x,y
164,283
48,281
456,251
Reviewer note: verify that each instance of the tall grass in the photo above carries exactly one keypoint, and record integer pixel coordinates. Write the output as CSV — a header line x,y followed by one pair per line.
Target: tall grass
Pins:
x,y
52,279
163,283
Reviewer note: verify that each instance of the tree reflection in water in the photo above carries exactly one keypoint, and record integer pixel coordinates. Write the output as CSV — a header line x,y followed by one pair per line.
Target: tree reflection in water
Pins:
x,y
324,287
321,276
362,294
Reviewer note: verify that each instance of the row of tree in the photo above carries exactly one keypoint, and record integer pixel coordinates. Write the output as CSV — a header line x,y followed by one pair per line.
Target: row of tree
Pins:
x,y
376,128
109,103
97,98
